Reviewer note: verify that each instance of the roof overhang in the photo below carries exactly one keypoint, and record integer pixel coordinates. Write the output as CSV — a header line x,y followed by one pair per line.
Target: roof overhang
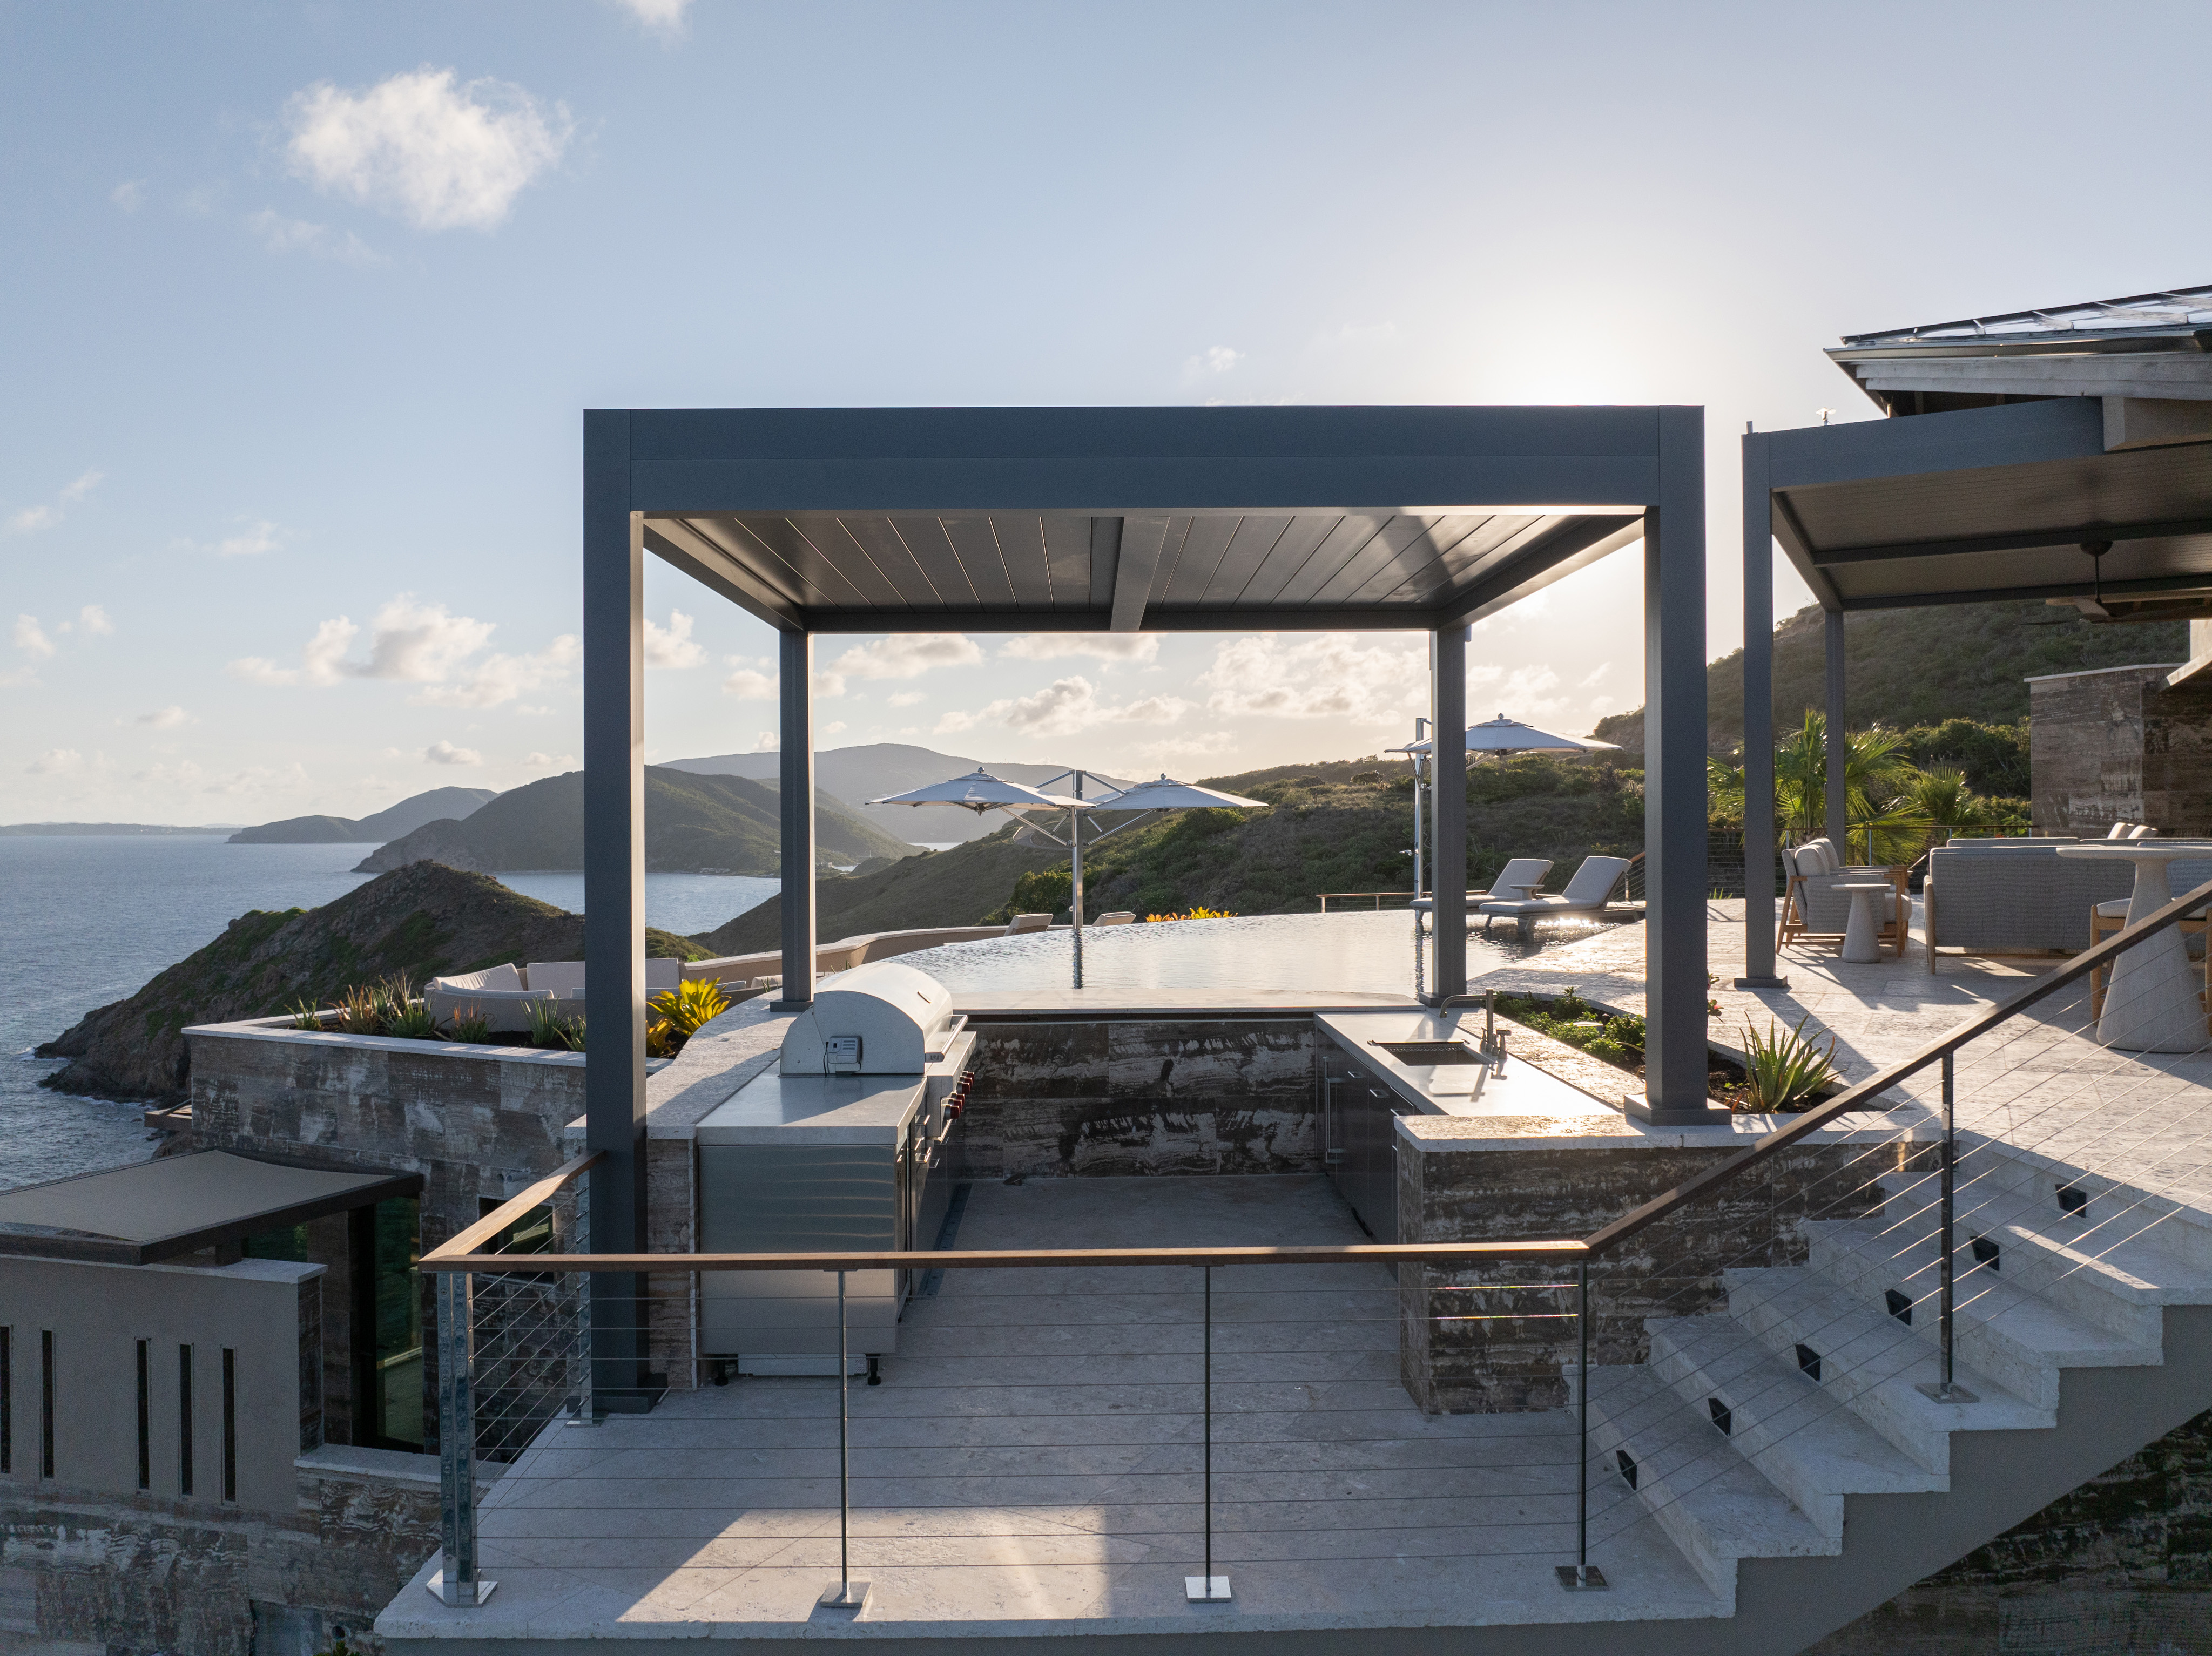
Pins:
x,y
176,1205
1126,519
1995,503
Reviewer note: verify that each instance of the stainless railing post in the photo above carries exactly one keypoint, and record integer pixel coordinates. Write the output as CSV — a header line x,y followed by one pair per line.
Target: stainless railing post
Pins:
x,y
1950,1196
586,1413
456,1583
847,1594
1947,1389
1208,1589
1581,1576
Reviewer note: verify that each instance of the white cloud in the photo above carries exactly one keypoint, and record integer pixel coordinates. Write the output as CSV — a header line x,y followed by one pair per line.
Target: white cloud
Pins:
x,y
1373,680
31,637
1596,674
551,761
439,154
166,718
902,655
93,619
1219,359
255,535
280,234
31,519
748,682
906,697
1140,647
422,644
1064,706
665,15
671,645
445,753
259,779
129,195
835,727
767,742
56,761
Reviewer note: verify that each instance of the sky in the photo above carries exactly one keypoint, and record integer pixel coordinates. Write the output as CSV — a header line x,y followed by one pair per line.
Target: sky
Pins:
x,y
299,305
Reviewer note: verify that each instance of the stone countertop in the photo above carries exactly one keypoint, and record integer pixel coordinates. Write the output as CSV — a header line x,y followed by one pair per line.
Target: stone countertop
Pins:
x,y
780,1109
713,1068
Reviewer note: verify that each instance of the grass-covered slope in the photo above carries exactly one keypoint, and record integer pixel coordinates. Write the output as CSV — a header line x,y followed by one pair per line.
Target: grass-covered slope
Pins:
x,y
1337,826
424,919
693,824
1907,667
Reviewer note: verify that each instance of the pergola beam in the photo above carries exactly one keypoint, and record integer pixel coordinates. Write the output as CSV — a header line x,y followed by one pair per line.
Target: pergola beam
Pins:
x,y
2020,541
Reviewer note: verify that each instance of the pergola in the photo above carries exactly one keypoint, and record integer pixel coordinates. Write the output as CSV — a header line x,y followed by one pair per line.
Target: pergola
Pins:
x,y
2104,500
1126,520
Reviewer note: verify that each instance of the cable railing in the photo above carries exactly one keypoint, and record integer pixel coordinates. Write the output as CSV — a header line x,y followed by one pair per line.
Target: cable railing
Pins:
x,y
1873,1273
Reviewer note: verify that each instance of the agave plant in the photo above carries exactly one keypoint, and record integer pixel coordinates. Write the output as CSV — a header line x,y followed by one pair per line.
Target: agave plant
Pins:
x,y
306,1014
361,1009
692,1005
411,1020
1784,1068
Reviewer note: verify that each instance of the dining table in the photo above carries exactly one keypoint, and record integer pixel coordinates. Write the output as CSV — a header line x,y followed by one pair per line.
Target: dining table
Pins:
x,y
2151,1003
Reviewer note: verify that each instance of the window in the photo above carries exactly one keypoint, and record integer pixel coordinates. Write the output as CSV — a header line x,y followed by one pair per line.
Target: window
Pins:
x,y
396,1414
46,1403
145,1414
230,1424
184,1420
531,1233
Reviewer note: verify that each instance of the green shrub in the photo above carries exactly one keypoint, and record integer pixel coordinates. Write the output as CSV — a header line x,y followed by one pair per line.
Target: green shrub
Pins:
x,y
411,1022
470,1025
1785,1069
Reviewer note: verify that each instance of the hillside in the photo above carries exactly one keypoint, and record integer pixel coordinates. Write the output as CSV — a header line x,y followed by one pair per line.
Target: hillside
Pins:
x,y
424,919
851,776
1906,667
693,825
1343,826
390,823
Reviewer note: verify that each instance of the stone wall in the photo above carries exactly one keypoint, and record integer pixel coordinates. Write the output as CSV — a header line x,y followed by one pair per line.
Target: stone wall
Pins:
x,y
2086,748
1121,1096
1503,1339
136,1576
2177,758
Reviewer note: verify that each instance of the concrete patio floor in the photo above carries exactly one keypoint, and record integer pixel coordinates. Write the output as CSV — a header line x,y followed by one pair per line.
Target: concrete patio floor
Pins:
x,y
1031,1465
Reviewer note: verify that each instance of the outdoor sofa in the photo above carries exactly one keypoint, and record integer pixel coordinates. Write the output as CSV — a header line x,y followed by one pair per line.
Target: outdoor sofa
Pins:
x,y
504,994
2020,896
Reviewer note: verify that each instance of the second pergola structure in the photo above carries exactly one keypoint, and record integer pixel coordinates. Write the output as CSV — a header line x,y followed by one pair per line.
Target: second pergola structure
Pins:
x,y
1123,519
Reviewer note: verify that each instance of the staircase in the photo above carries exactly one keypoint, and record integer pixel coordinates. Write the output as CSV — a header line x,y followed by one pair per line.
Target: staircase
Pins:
x,y
1791,1449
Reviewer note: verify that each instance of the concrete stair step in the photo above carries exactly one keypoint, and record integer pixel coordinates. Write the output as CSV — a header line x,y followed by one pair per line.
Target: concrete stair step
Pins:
x,y
1804,1438
2112,1272
1715,1505
2175,1226
2007,1330
1872,1362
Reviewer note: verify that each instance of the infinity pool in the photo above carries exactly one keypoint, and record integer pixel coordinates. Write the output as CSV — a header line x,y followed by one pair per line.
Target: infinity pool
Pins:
x,y
1368,953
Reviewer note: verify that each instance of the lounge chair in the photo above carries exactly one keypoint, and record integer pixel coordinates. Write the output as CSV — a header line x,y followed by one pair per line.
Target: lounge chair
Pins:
x,y
1029,923
1116,917
1588,893
1519,879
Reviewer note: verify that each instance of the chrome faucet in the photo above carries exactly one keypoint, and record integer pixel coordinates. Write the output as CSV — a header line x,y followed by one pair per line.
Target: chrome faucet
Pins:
x,y
1493,1038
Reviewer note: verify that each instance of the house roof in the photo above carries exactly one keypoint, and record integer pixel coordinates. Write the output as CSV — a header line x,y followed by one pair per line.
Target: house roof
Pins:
x,y
181,1205
2146,345
1130,519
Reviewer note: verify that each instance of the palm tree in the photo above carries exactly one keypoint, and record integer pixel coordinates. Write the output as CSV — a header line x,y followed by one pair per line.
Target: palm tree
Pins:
x,y
1878,782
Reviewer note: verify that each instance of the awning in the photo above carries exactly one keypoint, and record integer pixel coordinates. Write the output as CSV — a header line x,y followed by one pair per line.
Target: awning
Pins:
x,y
181,1205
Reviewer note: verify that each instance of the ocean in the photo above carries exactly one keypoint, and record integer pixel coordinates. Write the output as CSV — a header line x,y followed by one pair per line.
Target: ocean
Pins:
x,y
86,920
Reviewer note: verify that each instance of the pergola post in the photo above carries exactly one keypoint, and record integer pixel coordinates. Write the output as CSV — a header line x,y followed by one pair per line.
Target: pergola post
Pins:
x,y
1832,638
614,901
1448,801
1757,721
795,692
1674,1063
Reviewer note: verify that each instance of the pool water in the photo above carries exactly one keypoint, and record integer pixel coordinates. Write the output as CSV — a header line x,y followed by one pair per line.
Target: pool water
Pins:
x,y
1325,954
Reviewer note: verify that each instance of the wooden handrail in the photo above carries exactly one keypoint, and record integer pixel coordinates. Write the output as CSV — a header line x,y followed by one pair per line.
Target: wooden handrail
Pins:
x,y
1858,1096
447,1258
458,1254
465,1243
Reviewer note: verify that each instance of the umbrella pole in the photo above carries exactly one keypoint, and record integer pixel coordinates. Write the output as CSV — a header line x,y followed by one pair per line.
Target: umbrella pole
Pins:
x,y
1075,843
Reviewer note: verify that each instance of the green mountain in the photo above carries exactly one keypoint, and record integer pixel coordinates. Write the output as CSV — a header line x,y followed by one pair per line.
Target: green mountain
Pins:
x,y
410,814
424,919
1343,826
693,824
1924,666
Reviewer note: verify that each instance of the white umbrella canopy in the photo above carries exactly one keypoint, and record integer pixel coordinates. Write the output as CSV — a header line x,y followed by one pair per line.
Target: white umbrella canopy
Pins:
x,y
1503,735
1167,794
979,791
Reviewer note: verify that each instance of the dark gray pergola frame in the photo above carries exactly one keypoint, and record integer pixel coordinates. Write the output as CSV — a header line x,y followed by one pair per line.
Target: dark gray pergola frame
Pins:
x,y
650,475
2026,481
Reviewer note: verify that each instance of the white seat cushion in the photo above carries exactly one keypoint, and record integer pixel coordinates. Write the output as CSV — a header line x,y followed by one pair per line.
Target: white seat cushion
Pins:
x,y
2115,910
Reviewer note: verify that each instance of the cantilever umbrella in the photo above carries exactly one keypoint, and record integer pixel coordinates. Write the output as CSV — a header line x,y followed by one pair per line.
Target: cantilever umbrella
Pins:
x,y
979,791
1503,735
1167,794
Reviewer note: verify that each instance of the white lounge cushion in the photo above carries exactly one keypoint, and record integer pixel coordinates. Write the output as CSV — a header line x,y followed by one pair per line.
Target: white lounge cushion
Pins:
x,y
2142,831
1029,923
1520,877
2118,830
556,977
2115,910
1117,917
493,979
1595,880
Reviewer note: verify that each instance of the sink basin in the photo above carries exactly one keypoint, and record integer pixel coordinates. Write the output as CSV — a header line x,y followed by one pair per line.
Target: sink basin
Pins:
x,y
1430,1052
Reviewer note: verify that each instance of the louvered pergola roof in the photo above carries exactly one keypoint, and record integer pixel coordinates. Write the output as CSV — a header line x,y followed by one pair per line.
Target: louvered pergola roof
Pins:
x,y
1123,519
